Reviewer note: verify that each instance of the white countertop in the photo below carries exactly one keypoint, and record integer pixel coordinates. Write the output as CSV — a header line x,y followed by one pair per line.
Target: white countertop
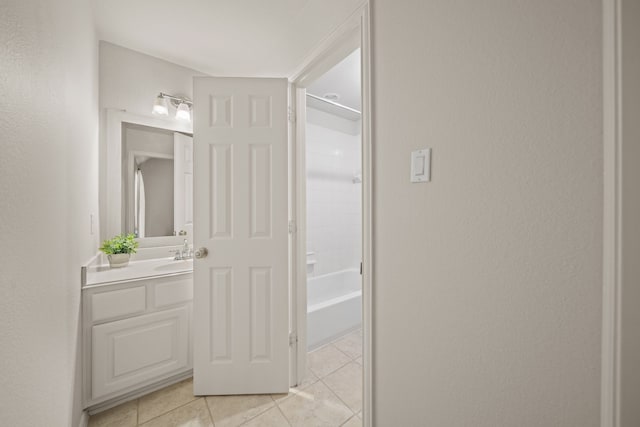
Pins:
x,y
102,274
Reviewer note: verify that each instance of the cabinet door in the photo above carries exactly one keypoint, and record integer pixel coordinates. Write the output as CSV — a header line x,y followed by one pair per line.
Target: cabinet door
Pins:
x,y
133,351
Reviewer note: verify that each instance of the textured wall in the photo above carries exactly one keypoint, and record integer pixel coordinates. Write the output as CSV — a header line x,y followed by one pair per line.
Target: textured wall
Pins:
x,y
488,279
48,189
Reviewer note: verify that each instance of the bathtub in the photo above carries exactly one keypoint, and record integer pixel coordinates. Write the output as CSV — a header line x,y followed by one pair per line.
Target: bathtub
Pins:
x,y
334,306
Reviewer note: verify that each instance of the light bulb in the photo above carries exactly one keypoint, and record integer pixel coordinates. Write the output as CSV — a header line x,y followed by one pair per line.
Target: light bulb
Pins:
x,y
183,112
160,106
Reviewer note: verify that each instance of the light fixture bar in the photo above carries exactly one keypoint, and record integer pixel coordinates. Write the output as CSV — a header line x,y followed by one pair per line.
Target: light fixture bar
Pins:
x,y
176,99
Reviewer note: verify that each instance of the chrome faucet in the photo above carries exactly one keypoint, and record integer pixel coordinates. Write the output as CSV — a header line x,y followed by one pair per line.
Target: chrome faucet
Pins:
x,y
185,253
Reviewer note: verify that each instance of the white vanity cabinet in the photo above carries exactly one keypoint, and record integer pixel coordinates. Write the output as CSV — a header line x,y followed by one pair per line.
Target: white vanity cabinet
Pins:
x,y
137,334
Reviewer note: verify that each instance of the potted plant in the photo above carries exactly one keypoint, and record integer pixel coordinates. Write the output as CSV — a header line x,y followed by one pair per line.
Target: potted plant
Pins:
x,y
119,249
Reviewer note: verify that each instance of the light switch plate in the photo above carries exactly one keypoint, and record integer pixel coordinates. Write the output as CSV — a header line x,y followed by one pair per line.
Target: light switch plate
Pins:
x,y
421,165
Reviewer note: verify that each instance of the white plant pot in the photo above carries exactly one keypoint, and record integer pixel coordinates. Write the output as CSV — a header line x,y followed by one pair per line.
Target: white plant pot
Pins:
x,y
118,260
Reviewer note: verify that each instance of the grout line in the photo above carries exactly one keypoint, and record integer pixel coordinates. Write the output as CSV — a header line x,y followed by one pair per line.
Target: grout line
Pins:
x,y
331,372
261,413
209,411
283,414
345,423
177,407
343,402
336,347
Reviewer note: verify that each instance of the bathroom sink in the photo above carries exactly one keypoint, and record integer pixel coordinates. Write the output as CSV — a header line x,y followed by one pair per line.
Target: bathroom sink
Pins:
x,y
174,265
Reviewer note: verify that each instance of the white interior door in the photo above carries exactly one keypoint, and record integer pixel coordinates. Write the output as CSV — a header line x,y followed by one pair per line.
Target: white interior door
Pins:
x,y
182,183
241,314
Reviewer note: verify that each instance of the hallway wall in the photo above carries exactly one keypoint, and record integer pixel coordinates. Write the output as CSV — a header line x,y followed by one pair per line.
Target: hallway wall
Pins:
x,y
48,189
488,279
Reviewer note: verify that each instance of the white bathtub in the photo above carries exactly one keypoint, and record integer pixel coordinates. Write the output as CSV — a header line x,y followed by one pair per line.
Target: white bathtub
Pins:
x,y
334,306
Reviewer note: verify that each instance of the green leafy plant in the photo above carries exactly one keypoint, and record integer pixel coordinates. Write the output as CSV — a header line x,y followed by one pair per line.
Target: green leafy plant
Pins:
x,y
122,244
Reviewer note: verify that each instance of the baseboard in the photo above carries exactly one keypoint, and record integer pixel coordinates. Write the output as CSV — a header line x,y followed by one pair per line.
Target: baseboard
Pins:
x,y
84,419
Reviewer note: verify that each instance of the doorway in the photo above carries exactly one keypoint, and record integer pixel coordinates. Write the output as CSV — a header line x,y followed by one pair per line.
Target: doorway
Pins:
x,y
333,163
306,261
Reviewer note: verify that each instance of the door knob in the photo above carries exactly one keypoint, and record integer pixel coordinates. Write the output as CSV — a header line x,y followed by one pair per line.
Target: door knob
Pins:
x,y
201,253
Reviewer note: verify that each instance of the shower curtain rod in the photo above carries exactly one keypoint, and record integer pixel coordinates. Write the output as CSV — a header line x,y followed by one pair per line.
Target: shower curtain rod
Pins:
x,y
319,98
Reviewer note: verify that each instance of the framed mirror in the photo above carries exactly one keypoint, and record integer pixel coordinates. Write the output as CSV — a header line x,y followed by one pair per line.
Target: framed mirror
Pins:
x,y
149,179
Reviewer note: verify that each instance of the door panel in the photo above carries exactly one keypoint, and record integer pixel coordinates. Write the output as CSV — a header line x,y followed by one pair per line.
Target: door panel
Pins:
x,y
183,183
241,317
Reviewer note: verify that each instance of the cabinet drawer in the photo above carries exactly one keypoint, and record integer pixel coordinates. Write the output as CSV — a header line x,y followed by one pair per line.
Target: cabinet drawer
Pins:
x,y
121,302
129,352
173,292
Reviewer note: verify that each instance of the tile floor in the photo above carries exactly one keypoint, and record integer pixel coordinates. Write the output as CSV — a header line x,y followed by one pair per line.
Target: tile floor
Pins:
x,y
331,396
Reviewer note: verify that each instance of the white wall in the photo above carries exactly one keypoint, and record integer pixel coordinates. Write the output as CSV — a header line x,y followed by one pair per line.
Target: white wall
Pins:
x,y
148,139
487,292
48,189
131,81
334,214
630,316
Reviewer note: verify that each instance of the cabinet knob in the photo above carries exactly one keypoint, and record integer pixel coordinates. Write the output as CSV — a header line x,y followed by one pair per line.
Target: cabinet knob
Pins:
x,y
201,253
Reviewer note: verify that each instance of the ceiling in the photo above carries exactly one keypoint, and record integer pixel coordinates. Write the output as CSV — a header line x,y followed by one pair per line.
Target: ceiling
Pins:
x,y
223,37
343,80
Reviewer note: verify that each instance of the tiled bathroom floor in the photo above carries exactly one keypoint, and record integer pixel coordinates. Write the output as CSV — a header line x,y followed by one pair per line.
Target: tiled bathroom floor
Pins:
x,y
331,396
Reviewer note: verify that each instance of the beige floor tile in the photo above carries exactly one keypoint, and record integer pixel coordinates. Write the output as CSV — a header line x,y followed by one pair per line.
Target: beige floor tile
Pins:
x,y
194,414
165,400
346,383
309,379
326,360
315,406
359,414
351,345
124,415
231,411
272,418
353,422
359,360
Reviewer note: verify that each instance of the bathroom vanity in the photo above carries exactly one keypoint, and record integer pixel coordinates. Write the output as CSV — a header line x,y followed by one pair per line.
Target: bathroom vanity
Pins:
x,y
137,320
137,329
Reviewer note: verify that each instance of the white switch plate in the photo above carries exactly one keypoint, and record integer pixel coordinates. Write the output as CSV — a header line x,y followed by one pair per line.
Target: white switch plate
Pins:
x,y
421,165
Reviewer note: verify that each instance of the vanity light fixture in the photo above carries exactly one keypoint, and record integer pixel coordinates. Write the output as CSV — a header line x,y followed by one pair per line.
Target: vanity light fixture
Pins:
x,y
160,106
183,112
183,106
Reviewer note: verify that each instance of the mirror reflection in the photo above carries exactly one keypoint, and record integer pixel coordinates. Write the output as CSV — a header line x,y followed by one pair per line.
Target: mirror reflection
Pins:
x,y
157,179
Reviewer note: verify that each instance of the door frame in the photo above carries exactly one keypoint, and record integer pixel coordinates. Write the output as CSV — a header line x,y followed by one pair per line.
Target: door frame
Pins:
x,y
612,242
618,339
353,33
